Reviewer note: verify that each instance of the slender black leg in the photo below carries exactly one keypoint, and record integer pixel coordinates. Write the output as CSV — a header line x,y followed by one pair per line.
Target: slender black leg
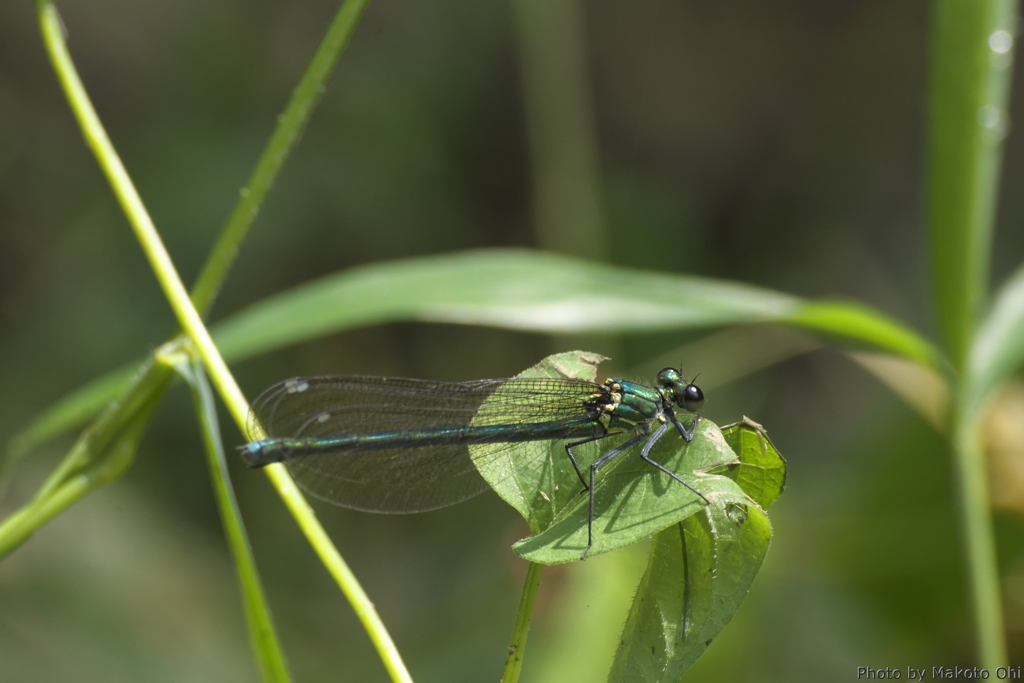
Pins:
x,y
575,466
593,470
687,435
645,456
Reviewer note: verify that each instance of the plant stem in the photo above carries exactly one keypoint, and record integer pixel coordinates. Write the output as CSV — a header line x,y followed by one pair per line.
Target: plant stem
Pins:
x,y
980,543
286,134
191,322
131,203
514,663
262,634
971,54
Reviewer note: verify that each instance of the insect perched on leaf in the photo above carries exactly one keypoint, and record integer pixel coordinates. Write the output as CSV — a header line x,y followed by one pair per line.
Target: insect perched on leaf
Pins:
x,y
407,445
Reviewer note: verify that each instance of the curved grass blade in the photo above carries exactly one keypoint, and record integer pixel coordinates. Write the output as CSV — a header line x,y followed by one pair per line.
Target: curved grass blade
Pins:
x,y
541,292
522,290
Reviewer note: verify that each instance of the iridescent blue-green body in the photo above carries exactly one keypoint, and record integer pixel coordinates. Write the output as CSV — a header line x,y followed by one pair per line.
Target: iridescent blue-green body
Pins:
x,y
405,445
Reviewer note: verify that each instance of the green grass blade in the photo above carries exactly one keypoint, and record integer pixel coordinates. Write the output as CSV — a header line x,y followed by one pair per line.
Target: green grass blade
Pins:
x,y
542,292
262,636
516,289
970,59
996,351
521,290
859,323
971,55
191,322
81,405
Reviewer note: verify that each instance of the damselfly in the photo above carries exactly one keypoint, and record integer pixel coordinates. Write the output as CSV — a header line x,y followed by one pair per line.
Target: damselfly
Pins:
x,y
408,445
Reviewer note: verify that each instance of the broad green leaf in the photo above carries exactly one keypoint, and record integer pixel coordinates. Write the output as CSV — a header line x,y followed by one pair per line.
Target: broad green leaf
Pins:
x,y
542,489
761,471
700,570
541,292
513,289
698,573
632,499
523,290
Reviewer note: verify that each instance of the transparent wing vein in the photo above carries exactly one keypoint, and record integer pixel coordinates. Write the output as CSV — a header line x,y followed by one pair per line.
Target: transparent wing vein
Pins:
x,y
409,479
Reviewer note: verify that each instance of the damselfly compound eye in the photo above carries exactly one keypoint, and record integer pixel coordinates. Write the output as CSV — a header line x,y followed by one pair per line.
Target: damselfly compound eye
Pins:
x,y
692,398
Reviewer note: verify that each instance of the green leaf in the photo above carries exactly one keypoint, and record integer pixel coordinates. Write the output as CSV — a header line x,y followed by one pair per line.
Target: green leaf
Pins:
x,y
541,292
548,484
761,472
968,119
515,289
698,573
858,322
521,290
632,499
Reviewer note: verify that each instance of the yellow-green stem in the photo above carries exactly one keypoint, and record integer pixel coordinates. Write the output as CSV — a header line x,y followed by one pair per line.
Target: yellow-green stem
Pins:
x,y
980,542
970,65
517,648
191,322
262,634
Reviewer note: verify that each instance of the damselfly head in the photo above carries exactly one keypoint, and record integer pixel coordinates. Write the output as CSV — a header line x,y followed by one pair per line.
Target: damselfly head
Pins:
x,y
686,395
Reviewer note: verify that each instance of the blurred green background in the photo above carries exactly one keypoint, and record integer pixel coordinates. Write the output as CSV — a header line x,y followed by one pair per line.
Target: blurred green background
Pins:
x,y
775,143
